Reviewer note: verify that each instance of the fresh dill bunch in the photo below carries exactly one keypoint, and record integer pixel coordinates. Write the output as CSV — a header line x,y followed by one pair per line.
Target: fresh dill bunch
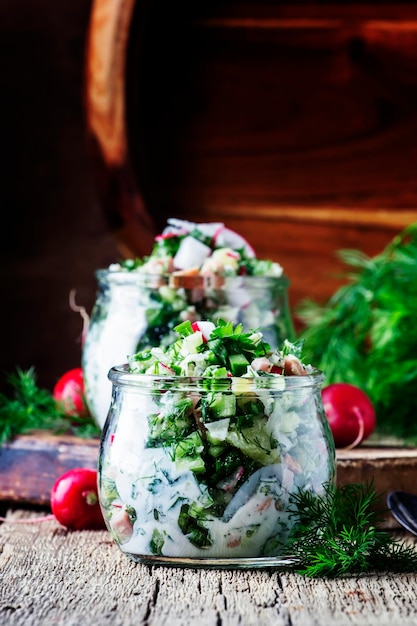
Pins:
x,y
365,334
27,407
338,534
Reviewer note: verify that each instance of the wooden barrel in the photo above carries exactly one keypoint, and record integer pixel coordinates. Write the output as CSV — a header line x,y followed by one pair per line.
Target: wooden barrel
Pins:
x,y
295,124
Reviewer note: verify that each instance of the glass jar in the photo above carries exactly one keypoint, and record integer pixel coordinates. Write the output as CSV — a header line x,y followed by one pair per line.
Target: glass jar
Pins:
x,y
201,471
133,311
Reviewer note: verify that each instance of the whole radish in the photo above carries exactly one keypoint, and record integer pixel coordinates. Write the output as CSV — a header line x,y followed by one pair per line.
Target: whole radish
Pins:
x,y
350,413
74,500
69,392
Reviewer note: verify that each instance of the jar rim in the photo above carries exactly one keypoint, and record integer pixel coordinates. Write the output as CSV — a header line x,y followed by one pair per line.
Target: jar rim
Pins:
x,y
121,376
189,281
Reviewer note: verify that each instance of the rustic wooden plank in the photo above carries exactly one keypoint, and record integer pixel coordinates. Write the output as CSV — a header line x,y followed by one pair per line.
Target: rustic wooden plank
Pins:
x,y
283,107
350,601
389,468
305,111
293,124
53,576
30,464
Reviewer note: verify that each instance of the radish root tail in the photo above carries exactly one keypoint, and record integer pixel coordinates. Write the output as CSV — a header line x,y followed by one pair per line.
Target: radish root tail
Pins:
x,y
82,311
361,431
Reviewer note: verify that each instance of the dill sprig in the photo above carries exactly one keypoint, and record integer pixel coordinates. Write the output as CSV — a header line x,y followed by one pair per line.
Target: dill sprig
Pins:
x,y
365,334
338,534
27,407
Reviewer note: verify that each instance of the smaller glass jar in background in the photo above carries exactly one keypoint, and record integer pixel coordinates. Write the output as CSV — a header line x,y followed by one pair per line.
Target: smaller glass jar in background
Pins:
x,y
135,310
200,471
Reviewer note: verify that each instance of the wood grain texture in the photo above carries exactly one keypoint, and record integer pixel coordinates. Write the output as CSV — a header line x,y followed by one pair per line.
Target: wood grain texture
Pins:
x,y
53,576
106,125
30,464
296,125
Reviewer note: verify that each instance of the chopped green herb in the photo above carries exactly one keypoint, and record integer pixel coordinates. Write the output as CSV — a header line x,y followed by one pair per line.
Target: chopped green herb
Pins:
x,y
157,542
189,525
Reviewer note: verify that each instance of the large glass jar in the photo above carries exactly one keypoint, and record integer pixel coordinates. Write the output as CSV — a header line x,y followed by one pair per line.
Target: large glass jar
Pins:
x,y
201,471
133,311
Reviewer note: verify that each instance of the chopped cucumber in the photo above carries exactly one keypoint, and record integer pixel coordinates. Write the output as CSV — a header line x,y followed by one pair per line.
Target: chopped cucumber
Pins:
x,y
188,453
223,405
216,450
184,329
255,442
238,364
193,464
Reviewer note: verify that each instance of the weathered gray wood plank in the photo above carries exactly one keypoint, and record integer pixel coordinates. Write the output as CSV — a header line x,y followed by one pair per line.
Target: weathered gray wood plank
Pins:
x,y
49,576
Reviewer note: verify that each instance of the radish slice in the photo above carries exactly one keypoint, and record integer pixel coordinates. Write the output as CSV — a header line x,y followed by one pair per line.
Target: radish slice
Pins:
x,y
205,328
191,253
184,226
167,234
209,229
221,236
166,368
227,238
261,364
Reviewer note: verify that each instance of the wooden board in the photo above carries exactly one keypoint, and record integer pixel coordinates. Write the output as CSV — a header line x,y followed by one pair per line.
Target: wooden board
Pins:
x,y
54,576
294,123
30,464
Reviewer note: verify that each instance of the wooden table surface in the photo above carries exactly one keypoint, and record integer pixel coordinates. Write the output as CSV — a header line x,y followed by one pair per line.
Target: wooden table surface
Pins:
x,y
51,576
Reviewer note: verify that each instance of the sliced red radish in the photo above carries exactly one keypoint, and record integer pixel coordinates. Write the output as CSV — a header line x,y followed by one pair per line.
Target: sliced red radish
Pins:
x,y
208,229
261,364
227,238
233,254
166,235
121,525
293,366
205,327
166,369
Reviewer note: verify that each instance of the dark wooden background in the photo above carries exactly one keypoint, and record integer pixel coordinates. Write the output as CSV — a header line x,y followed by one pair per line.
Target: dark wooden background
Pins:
x,y
53,232
294,123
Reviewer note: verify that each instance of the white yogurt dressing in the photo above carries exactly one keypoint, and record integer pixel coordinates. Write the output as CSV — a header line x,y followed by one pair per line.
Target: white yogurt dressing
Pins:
x,y
109,341
157,493
255,522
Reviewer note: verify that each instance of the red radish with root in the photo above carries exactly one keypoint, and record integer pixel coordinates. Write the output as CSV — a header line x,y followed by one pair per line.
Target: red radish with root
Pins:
x,y
350,413
74,502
